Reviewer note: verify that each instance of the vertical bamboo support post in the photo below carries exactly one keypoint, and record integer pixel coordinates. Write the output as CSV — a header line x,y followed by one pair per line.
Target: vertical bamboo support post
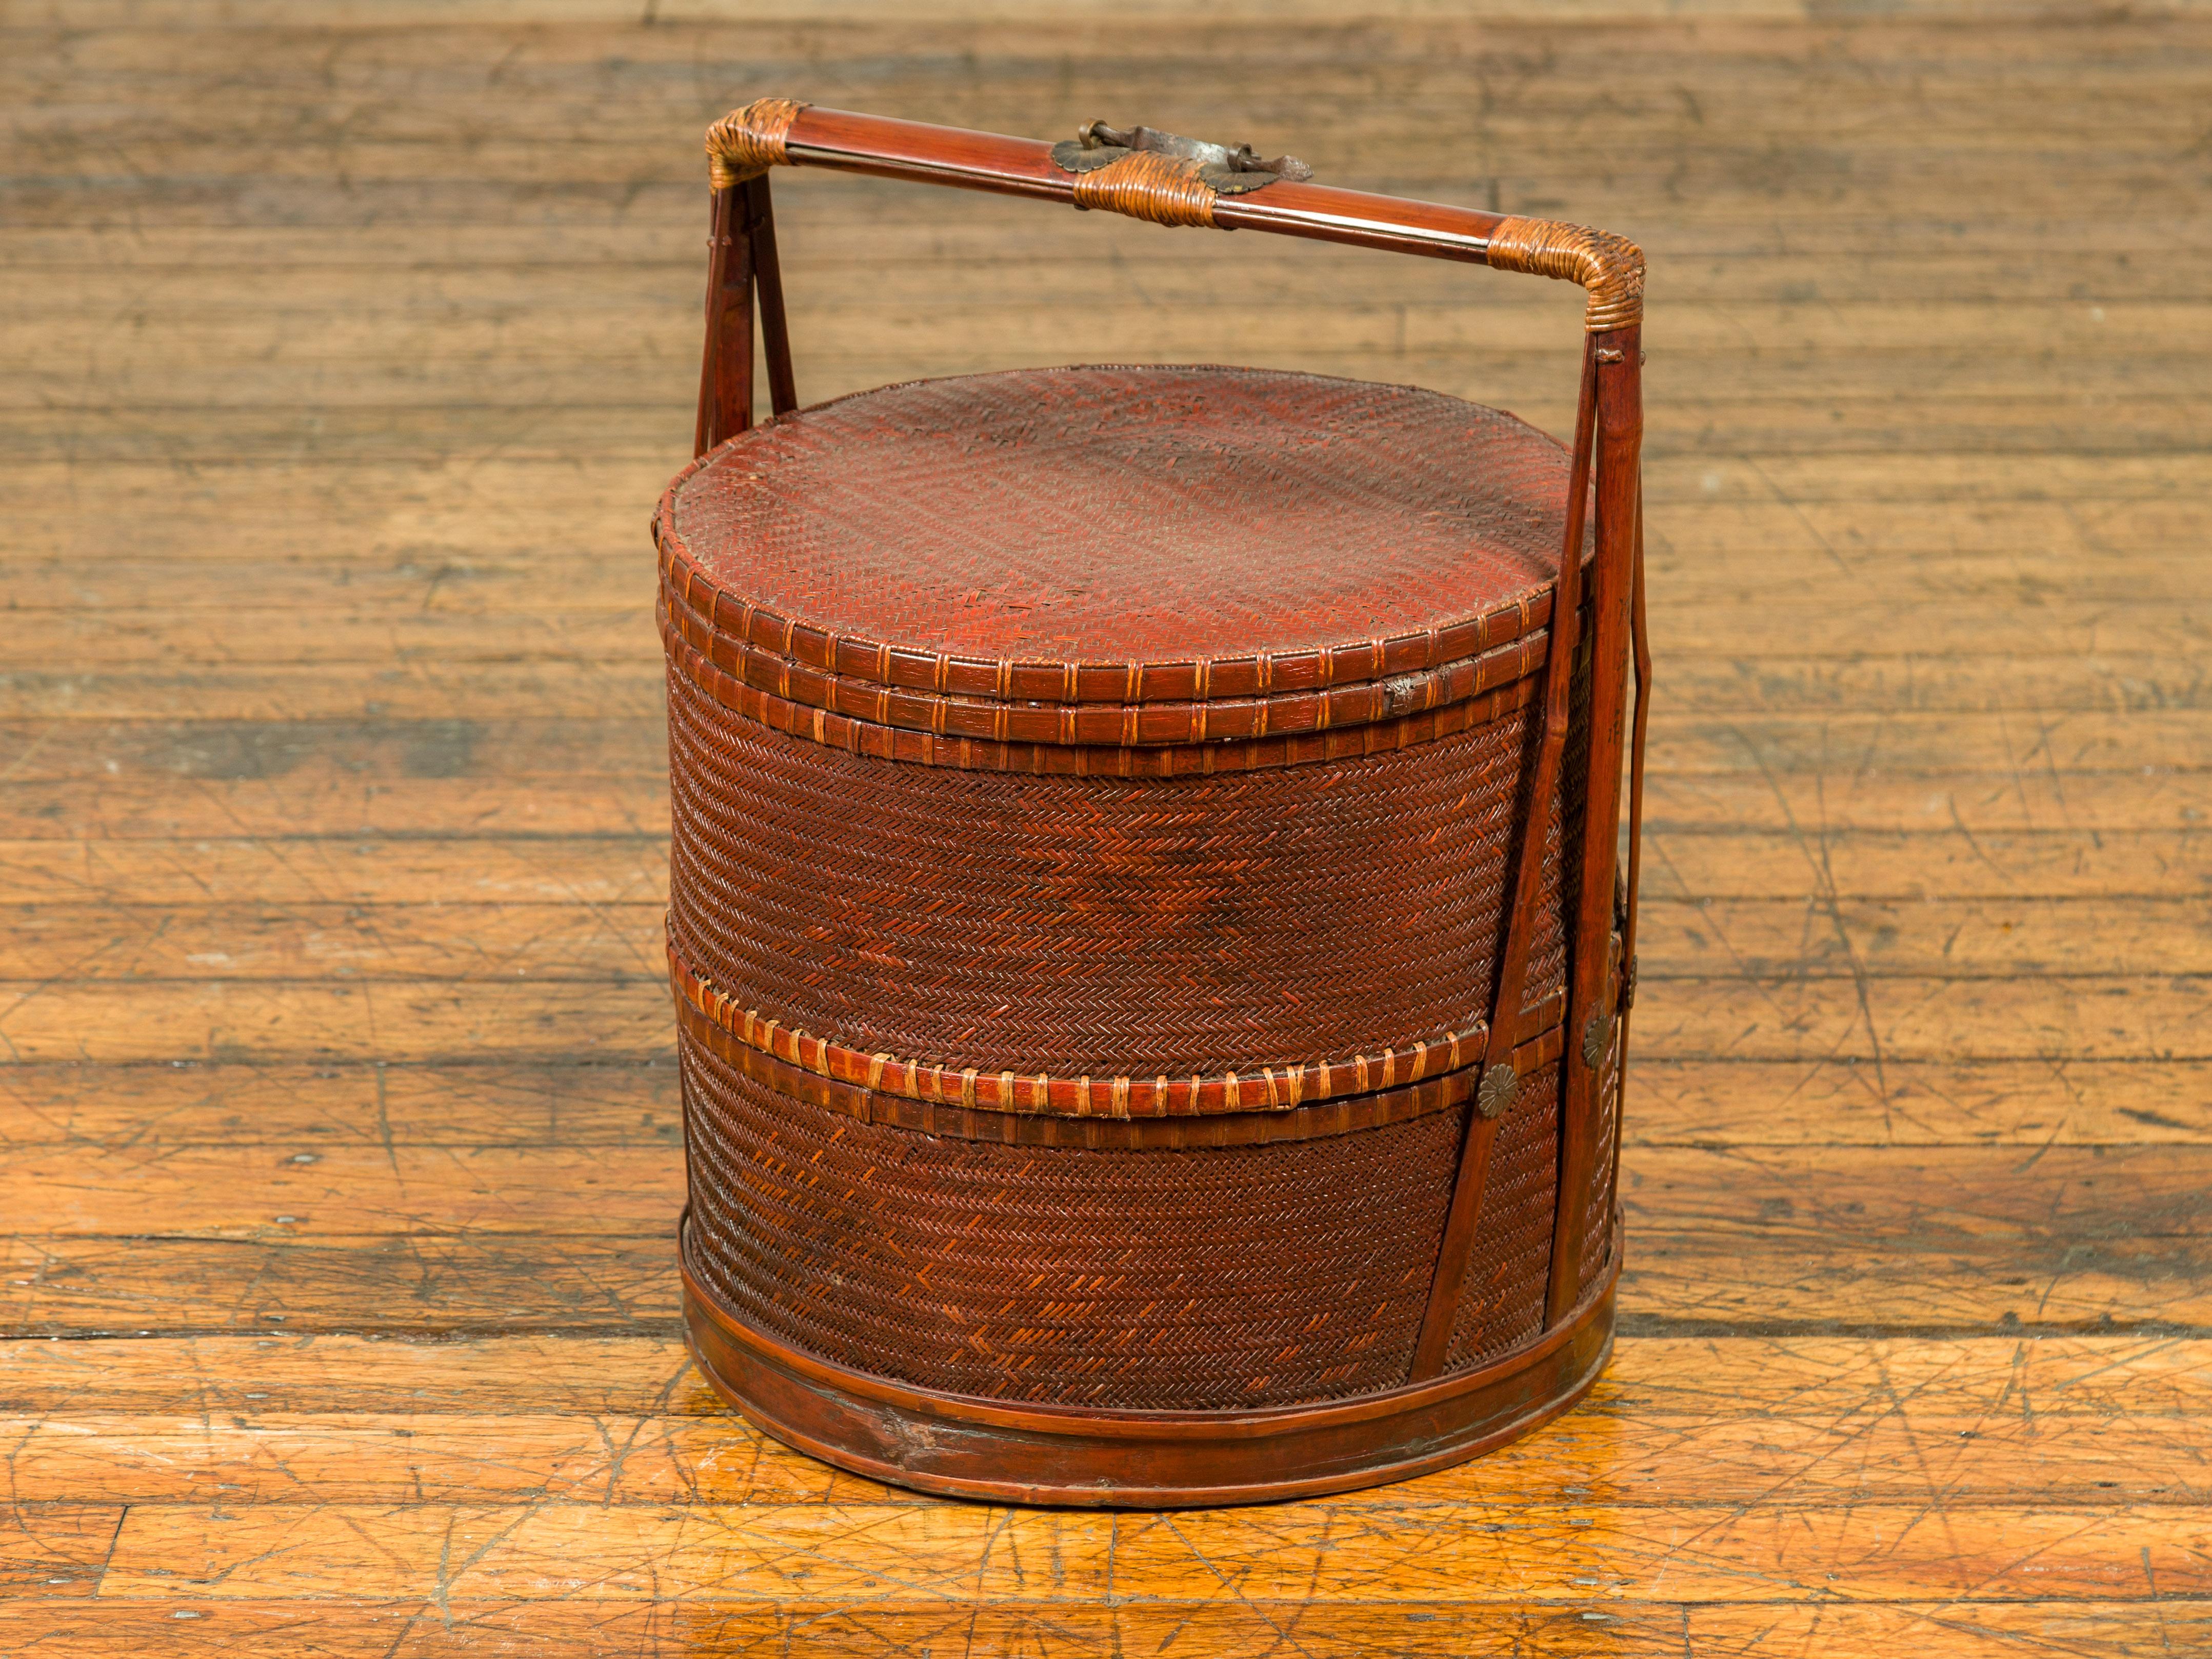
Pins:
x,y
725,367
1593,1003
768,280
1494,1094
1640,639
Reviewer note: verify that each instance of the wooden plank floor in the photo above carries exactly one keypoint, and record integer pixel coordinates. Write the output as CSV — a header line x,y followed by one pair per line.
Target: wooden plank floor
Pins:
x,y
346,347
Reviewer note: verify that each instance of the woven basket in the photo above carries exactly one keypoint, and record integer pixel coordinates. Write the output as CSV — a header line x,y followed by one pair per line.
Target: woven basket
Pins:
x,y
1141,1041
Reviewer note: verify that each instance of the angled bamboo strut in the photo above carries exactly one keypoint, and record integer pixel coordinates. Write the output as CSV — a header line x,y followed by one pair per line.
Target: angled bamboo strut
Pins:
x,y
1494,1096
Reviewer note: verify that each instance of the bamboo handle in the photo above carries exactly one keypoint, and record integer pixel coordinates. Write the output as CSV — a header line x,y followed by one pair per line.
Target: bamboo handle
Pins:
x,y
1164,187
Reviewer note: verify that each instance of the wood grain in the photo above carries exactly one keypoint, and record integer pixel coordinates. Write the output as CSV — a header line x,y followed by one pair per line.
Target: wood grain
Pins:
x,y
347,350
1977,1423
565,1102
1174,1630
1784,939
589,1553
345,1237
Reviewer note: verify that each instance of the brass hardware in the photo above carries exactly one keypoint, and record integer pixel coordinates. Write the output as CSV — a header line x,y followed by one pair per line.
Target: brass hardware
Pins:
x,y
1229,171
1495,1092
1597,1037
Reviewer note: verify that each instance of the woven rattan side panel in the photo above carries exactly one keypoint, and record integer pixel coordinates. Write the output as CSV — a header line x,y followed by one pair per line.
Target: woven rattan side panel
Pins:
x,y
1501,1304
1098,924
1179,1278
1597,1201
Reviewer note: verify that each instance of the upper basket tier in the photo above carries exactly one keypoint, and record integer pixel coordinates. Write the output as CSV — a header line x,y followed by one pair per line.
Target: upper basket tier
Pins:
x,y
1135,556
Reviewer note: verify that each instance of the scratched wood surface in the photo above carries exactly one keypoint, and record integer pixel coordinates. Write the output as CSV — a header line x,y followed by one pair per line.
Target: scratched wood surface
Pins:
x,y
346,347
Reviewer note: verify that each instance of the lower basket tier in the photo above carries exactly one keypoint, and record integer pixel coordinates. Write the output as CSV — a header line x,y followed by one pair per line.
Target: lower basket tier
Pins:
x,y
965,1446
1288,1268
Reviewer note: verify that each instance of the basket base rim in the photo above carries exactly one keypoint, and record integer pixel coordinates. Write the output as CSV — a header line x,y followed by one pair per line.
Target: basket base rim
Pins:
x,y
962,1446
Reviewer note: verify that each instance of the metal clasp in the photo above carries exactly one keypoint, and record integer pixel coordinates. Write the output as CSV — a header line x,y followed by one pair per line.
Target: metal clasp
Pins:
x,y
1230,171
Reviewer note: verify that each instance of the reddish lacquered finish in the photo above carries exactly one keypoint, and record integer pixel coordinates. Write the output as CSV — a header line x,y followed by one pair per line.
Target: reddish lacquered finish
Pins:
x,y
1151,963
965,1446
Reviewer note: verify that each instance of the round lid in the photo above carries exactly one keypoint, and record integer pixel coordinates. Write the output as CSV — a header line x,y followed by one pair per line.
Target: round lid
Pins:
x,y
1118,534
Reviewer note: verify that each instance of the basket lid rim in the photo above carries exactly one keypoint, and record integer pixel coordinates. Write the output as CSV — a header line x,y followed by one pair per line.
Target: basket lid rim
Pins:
x,y
1509,578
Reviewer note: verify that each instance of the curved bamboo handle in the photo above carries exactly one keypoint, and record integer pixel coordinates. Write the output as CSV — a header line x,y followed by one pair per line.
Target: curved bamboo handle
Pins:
x,y
1166,188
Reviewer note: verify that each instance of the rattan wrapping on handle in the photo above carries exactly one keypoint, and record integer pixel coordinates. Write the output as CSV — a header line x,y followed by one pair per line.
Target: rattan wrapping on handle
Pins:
x,y
747,141
1610,267
1145,185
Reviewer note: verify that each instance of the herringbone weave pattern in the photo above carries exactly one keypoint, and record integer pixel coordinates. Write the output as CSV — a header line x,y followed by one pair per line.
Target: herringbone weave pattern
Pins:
x,y
1223,533
1501,1304
1100,924
1132,515
1184,1278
